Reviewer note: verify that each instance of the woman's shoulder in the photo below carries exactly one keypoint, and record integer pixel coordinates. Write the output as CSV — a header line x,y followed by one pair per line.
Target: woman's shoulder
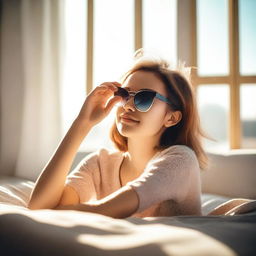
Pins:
x,y
177,150
102,154
109,153
176,155
99,159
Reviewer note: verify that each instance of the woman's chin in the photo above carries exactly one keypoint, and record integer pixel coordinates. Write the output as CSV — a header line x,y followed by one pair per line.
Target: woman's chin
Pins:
x,y
126,130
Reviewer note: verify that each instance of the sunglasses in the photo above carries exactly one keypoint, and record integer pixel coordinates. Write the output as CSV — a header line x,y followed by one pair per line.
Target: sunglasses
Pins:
x,y
143,99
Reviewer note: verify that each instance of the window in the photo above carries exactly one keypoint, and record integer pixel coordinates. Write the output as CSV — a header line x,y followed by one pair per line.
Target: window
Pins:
x,y
213,103
247,37
218,37
74,75
212,38
160,28
248,115
223,50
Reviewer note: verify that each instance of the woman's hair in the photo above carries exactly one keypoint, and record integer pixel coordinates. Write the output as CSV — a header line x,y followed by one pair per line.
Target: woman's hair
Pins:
x,y
180,92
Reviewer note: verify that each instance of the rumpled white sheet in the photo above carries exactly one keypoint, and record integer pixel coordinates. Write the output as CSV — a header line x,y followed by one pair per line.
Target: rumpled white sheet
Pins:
x,y
56,232
52,232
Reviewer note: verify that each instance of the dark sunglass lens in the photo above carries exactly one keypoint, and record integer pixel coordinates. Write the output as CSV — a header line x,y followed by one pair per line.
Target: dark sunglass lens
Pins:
x,y
143,100
122,92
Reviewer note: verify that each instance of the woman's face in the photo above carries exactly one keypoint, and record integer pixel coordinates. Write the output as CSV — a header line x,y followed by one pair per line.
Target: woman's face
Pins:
x,y
144,124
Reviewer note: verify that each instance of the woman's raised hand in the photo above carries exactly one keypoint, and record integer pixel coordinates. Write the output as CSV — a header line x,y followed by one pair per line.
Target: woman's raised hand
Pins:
x,y
97,104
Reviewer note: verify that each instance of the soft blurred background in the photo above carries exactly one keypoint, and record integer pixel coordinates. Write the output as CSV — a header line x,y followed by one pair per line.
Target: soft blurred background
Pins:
x,y
53,52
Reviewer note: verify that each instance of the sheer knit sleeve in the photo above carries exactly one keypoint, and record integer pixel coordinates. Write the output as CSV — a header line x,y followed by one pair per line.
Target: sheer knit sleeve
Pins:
x,y
167,176
81,178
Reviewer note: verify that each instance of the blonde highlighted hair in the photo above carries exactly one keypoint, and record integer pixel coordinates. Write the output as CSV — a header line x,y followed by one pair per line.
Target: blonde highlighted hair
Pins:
x,y
181,93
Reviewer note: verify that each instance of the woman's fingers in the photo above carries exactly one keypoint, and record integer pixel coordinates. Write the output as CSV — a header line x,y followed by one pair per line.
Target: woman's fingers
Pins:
x,y
107,89
98,102
112,102
117,84
110,85
102,94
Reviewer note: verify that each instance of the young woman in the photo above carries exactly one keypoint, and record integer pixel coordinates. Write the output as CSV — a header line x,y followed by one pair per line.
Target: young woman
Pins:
x,y
156,169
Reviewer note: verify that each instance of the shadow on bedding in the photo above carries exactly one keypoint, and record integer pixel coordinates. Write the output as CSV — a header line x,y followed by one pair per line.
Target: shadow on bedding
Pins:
x,y
21,235
237,232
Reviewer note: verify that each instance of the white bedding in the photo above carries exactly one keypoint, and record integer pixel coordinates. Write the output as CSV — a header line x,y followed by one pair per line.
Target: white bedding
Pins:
x,y
55,232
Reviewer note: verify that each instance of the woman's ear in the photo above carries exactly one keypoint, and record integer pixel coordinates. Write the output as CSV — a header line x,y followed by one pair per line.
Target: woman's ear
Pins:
x,y
173,118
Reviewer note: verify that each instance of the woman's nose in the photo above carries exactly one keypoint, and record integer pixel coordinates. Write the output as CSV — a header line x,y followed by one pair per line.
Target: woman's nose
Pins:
x,y
129,105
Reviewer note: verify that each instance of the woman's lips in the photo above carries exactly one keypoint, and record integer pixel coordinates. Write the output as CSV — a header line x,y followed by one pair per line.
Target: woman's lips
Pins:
x,y
128,116
128,120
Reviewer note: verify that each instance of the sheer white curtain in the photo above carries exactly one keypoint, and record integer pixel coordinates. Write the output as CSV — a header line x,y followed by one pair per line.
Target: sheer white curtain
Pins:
x,y
31,57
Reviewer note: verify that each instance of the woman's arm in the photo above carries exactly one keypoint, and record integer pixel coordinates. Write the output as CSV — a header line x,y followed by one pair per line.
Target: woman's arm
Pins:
x,y
50,184
120,204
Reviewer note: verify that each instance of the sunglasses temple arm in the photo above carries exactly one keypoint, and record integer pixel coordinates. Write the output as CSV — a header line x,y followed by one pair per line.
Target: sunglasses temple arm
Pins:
x,y
162,98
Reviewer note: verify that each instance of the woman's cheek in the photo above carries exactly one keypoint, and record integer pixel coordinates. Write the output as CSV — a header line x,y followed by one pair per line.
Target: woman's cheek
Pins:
x,y
154,121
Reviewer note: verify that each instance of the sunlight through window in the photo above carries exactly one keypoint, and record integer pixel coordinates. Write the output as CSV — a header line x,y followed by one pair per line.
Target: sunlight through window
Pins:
x,y
73,89
160,28
213,104
212,38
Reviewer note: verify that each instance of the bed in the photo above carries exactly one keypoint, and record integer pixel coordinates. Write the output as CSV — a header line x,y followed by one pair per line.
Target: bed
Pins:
x,y
54,232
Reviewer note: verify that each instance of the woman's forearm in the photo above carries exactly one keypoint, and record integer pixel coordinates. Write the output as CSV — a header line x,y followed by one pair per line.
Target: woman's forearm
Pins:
x,y
50,183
